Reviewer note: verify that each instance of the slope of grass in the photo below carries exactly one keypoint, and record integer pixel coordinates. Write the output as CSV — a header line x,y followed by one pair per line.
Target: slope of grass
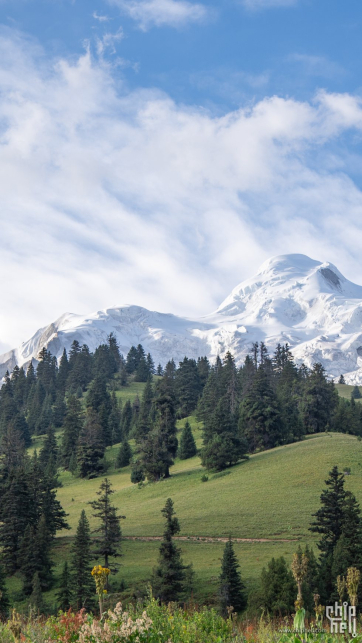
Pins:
x,y
345,390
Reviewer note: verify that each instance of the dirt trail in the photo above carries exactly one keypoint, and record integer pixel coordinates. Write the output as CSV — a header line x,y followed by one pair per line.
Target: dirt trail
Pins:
x,y
209,539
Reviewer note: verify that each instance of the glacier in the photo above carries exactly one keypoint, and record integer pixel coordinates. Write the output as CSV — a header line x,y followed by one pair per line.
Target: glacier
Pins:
x,y
292,299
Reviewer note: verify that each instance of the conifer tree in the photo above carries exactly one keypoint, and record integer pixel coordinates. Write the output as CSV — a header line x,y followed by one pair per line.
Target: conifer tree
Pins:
x,y
187,447
155,458
108,541
80,567
188,386
356,393
63,373
36,600
348,550
232,588
73,425
260,415
329,524
124,455
341,380
137,473
319,401
169,576
90,450
49,453
224,444
64,594
114,420
278,588
144,422
126,420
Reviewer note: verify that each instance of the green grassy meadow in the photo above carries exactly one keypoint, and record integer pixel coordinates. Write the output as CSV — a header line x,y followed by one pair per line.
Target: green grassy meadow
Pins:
x,y
271,496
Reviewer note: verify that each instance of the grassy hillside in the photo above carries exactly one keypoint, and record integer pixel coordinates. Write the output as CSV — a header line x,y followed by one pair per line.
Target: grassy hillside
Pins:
x,y
345,390
270,497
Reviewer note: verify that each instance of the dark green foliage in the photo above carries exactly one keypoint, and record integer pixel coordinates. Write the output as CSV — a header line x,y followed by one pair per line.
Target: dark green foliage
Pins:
x,y
114,420
328,524
169,577
319,401
48,456
36,600
64,594
80,568
224,445
126,420
278,588
4,596
90,450
188,386
187,446
16,514
99,400
260,414
34,557
144,420
231,589
341,380
108,541
124,455
137,473
348,550
155,458
356,393
73,425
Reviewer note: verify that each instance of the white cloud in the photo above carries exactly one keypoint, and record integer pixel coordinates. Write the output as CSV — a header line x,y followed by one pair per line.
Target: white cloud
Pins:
x,y
110,196
99,17
160,13
108,42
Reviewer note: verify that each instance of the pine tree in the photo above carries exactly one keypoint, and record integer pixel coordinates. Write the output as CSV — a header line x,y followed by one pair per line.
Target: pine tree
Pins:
x,y
169,577
49,453
187,447
99,400
341,380
80,568
278,588
36,600
319,401
16,510
64,595
154,457
356,393
144,422
124,455
90,450
260,414
126,420
137,473
73,425
4,596
108,542
224,444
348,550
188,386
329,524
114,420
232,588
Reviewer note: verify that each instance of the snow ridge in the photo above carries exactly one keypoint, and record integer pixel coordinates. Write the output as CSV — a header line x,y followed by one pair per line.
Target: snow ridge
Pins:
x,y
292,298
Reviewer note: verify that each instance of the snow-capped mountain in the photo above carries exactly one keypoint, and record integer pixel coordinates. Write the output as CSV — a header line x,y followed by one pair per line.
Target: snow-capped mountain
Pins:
x,y
292,298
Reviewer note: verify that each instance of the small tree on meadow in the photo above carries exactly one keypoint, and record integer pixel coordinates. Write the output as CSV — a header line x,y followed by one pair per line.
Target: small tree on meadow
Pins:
x,y
169,577
108,541
187,447
64,595
231,589
124,455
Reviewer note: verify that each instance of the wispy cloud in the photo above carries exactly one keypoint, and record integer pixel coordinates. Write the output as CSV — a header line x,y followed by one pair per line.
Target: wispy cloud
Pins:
x,y
100,18
110,196
268,4
108,42
319,66
161,13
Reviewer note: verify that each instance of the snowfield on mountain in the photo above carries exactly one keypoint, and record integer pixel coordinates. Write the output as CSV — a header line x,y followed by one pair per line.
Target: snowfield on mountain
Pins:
x,y
292,298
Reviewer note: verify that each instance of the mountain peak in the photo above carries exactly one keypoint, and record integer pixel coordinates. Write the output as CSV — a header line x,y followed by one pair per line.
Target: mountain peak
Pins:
x,y
291,299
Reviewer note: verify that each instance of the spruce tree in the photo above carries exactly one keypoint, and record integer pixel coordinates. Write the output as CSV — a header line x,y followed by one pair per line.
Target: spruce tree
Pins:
x,y
260,414
319,401
328,524
277,588
341,380
91,449
187,447
36,600
73,425
126,420
124,455
224,445
232,588
356,393
169,577
188,386
80,567
137,473
108,541
144,421
64,594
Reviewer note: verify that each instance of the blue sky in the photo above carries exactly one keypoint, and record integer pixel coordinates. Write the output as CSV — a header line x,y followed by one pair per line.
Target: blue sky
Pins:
x,y
157,151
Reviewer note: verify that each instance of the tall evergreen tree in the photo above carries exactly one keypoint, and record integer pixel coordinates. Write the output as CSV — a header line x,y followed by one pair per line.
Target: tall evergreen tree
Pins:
x,y
187,447
328,524
319,401
260,414
232,589
169,576
80,567
4,596
90,451
278,588
124,455
356,393
73,425
224,445
188,386
108,541
64,594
